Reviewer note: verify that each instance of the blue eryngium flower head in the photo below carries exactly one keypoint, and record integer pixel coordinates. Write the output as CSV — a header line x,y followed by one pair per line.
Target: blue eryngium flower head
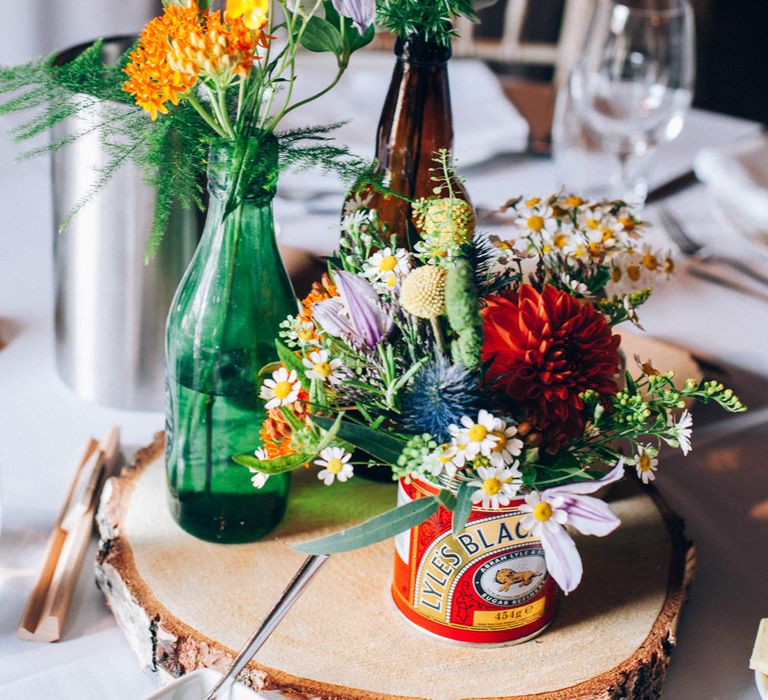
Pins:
x,y
356,315
439,395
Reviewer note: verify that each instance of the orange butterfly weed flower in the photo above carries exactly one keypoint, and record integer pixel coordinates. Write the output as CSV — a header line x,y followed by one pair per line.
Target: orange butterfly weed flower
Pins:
x,y
152,81
214,50
181,46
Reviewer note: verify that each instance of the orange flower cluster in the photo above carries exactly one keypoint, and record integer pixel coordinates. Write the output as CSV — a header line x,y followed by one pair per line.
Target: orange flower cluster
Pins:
x,y
214,50
276,433
183,45
152,81
324,289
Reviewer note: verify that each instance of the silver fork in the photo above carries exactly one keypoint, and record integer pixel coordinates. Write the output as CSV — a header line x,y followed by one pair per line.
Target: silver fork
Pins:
x,y
701,253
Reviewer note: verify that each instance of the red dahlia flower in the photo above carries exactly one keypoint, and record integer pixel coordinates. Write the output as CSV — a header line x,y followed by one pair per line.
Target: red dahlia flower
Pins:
x,y
546,349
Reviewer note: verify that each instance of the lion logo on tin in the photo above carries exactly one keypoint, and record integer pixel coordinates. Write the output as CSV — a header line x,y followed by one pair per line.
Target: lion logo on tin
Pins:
x,y
509,577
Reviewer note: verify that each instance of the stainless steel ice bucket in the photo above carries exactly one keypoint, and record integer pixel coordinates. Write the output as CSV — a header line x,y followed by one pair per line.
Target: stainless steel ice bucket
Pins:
x,y
110,307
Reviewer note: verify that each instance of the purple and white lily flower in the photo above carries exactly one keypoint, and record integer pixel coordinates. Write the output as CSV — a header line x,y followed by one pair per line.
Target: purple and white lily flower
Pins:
x,y
356,315
361,12
549,511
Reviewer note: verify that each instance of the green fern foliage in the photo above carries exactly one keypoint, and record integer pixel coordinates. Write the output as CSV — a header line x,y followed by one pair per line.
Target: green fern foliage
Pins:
x,y
432,19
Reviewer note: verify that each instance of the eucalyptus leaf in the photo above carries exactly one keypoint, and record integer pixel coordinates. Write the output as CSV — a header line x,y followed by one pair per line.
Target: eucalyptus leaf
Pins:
x,y
377,444
320,36
279,465
374,530
463,508
447,499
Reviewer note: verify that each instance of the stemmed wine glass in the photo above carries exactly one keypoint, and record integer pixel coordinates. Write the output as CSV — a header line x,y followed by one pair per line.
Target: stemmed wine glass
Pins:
x,y
633,84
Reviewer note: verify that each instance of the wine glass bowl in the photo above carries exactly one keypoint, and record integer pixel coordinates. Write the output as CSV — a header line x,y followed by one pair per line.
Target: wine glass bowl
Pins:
x,y
633,82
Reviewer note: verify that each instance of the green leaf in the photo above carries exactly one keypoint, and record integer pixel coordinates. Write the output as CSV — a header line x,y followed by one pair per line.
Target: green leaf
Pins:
x,y
279,465
631,385
331,433
292,362
355,40
447,499
268,369
374,530
321,36
463,508
375,443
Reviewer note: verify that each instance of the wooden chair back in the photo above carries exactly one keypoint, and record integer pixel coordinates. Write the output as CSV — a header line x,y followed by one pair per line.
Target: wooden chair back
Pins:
x,y
513,48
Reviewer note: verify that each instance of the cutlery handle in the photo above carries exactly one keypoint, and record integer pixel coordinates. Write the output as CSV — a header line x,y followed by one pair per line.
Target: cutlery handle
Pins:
x,y
727,282
740,266
290,595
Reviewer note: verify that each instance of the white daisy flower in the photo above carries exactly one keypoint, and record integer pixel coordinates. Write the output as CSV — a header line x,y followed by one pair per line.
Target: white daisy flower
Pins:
x,y
495,487
628,273
336,463
387,266
441,461
682,430
461,452
506,448
258,479
319,366
478,435
543,512
646,463
536,217
282,389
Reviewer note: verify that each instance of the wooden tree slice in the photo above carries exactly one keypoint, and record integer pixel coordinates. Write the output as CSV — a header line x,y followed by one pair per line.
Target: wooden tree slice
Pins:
x,y
186,604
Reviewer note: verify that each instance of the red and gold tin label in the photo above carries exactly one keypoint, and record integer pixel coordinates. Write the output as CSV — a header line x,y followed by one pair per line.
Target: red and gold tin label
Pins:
x,y
489,585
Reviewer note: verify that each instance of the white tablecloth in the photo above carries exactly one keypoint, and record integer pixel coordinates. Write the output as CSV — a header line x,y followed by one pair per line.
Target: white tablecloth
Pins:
x,y
721,489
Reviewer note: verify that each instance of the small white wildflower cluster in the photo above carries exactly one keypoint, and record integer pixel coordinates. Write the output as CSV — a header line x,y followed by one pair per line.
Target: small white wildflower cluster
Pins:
x,y
573,236
296,332
489,448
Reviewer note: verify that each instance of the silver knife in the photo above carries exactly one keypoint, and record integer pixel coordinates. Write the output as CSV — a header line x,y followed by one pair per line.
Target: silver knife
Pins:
x,y
728,283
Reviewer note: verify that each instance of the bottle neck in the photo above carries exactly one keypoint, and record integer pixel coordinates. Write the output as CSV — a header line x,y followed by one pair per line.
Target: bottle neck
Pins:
x,y
416,120
244,173
418,51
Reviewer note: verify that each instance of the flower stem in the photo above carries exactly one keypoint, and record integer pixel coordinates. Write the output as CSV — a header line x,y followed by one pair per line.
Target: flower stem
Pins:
x,y
438,333
207,118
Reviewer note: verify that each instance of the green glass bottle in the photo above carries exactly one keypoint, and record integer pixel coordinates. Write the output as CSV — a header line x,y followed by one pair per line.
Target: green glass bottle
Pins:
x,y
221,330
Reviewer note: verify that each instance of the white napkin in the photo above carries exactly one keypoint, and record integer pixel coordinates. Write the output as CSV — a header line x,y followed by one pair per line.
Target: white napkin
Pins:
x,y
737,176
485,122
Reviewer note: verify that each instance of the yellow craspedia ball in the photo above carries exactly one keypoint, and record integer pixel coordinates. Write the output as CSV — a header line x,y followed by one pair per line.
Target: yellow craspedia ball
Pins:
x,y
423,292
449,220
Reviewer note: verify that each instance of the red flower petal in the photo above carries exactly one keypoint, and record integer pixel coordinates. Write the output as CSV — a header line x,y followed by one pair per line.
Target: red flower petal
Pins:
x,y
546,349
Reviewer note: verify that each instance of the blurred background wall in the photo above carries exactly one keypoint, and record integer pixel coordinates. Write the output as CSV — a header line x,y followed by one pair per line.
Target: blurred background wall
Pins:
x,y
30,28
732,39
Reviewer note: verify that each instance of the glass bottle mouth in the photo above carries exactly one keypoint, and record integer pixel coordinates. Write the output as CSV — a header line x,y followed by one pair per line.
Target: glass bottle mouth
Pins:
x,y
248,171
418,50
